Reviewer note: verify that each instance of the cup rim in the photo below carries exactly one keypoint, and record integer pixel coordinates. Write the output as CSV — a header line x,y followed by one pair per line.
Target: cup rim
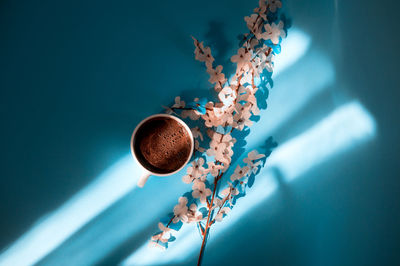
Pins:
x,y
181,122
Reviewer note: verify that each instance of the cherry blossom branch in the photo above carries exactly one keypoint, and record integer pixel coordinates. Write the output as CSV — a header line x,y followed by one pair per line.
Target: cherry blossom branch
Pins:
x,y
237,104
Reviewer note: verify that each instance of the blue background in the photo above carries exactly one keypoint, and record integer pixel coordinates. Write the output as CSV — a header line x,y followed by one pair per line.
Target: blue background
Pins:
x,y
77,76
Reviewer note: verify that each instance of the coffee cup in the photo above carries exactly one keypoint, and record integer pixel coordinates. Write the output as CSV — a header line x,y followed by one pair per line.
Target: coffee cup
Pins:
x,y
162,144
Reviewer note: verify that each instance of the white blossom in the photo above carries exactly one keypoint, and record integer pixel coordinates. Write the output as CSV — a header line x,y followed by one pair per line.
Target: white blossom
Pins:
x,y
224,113
221,147
246,78
196,169
197,133
247,95
242,108
251,158
217,149
188,178
197,146
242,58
220,214
180,210
166,233
200,191
193,214
242,119
210,119
263,61
253,23
227,95
215,75
192,114
217,203
230,192
274,5
178,103
213,169
273,32
218,86
261,9
239,172
219,111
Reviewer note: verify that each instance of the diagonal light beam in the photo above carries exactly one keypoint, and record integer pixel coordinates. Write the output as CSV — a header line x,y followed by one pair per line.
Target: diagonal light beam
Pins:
x,y
54,229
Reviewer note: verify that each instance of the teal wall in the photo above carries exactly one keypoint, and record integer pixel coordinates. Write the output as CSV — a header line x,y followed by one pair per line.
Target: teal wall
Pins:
x,y
77,76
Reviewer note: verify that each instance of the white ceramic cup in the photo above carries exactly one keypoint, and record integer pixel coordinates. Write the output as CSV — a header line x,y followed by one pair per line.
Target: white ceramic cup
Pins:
x,y
147,172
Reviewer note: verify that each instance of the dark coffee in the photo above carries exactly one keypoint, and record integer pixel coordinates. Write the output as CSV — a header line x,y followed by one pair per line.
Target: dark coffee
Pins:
x,y
162,145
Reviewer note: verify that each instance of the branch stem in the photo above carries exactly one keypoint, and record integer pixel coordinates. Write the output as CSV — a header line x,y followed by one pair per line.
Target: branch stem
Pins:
x,y
206,229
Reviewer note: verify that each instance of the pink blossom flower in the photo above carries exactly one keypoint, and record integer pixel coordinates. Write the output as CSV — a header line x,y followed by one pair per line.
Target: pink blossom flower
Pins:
x,y
210,119
228,153
217,203
242,58
197,133
255,110
227,95
273,32
213,169
215,75
200,191
192,114
219,111
197,146
180,210
194,215
230,192
178,103
165,235
242,108
266,62
274,5
261,9
216,149
197,169
218,87
221,213
224,113
251,158
262,4
257,66
188,178
242,119
247,94
239,172
221,147
253,23
246,78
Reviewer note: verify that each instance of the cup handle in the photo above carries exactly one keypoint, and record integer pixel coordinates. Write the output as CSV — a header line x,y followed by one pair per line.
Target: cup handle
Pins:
x,y
143,179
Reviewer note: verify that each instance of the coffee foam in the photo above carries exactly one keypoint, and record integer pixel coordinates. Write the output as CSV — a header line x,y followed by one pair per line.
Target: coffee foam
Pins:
x,y
164,144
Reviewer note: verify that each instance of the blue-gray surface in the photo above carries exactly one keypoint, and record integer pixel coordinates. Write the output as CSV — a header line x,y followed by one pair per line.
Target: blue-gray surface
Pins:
x,y
76,77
